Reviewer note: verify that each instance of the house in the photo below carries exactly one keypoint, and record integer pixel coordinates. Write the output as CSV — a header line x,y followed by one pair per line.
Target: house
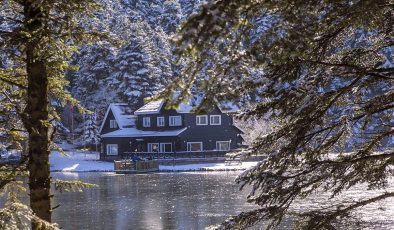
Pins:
x,y
154,129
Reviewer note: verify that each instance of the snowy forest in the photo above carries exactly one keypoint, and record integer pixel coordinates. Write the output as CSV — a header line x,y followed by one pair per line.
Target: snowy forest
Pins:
x,y
313,82
138,68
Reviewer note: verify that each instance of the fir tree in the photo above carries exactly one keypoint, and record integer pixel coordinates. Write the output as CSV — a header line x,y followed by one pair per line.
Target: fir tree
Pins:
x,y
90,82
171,16
326,75
39,37
90,135
136,76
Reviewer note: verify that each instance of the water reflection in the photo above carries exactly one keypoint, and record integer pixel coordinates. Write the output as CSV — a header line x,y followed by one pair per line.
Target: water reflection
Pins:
x,y
150,201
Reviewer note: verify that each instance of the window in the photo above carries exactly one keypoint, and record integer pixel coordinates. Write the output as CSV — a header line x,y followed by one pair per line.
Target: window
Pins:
x,y
175,121
113,124
160,121
215,120
165,147
202,120
153,147
194,146
112,149
223,145
146,121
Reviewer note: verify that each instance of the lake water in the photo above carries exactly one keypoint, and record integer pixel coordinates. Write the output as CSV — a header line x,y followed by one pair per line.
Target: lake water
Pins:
x,y
150,201
186,201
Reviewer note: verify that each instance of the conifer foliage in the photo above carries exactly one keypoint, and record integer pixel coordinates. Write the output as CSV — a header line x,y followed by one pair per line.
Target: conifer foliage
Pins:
x,y
38,38
90,134
326,75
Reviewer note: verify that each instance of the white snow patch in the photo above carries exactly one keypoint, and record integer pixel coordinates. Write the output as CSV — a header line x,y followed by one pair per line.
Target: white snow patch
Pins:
x,y
78,162
85,161
208,167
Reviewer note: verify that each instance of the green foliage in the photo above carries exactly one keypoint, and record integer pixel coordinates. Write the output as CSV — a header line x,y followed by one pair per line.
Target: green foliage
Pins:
x,y
324,69
71,186
37,40
15,214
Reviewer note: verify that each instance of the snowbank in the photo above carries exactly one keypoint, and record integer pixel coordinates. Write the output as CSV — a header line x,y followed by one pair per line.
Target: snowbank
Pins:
x,y
207,167
76,161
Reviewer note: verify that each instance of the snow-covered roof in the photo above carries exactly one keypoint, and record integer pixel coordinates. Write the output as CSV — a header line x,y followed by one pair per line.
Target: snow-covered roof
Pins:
x,y
133,132
150,108
154,107
228,107
123,115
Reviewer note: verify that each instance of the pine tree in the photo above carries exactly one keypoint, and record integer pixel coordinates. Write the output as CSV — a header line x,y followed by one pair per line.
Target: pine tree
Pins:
x,y
39,37
326,75
90,82
90,134
171,16
136,76
189,6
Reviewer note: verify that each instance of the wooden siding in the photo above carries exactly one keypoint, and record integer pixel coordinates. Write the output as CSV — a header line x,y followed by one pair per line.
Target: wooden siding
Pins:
x,y
106,127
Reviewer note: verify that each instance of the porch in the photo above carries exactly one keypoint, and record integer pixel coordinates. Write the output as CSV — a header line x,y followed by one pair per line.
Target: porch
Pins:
x,y
175,154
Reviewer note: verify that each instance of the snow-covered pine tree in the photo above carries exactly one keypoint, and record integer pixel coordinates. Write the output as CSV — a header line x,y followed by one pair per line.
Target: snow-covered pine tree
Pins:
x,y
90,135
136,76
162,54
90,82
330,88
189,6
171,16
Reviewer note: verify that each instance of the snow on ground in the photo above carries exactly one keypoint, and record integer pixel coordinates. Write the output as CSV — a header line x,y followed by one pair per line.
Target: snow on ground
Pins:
x,y
84,161
207,167
78,162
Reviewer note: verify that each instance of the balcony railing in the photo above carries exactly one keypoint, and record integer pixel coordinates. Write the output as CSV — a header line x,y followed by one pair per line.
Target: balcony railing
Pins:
x,y
174,155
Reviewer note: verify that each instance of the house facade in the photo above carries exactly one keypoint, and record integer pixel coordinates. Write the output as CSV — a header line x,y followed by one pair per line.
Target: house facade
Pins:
x,y
154,129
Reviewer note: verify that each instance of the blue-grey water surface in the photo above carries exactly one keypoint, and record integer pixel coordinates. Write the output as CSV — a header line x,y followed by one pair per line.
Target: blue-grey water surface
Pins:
x,y
150,201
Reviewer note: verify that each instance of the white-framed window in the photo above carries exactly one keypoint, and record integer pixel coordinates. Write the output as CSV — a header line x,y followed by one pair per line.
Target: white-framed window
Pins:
x,y
202,120
146,121
175,120
112,149
153,147
223,145
160,122
194,146
165,147
113,124
215,120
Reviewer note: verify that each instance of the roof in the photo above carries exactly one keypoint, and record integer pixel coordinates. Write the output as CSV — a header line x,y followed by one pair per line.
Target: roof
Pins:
x,y
123,115
150,108
133,132
154,107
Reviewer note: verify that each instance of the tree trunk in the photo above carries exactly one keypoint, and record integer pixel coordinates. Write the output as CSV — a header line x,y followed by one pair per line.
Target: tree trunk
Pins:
x,y
36,118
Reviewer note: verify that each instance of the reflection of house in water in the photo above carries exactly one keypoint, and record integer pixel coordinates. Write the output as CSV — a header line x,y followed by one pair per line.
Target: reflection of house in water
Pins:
x,y
155,129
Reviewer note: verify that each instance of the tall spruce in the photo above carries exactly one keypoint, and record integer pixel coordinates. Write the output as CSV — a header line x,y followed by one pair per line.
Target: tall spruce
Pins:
x,y
326,74
39,37
136,75
90,135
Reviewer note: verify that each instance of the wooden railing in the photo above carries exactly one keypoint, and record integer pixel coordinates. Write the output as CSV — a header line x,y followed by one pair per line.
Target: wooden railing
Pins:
x,y
173,155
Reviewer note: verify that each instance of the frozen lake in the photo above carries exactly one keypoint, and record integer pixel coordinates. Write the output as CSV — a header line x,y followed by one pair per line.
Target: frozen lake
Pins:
x,y
150,201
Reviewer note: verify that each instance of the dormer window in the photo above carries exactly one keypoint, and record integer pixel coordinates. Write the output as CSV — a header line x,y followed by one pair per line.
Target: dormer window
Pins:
x,y
175,120
202,120
215,120
113,124
146,121
160,122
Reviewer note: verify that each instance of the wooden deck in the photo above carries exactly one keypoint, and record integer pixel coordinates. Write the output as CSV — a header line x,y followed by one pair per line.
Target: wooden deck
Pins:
x,y
130,167
174,155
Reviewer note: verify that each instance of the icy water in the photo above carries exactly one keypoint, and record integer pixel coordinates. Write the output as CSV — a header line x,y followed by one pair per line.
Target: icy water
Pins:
x,y
150,201
187,201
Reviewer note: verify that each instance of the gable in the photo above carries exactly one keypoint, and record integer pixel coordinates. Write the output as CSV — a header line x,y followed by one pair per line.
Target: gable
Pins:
x,y
121,113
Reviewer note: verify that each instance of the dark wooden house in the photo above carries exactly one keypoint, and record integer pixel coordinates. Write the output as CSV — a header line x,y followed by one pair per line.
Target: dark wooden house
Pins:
x,y
152,130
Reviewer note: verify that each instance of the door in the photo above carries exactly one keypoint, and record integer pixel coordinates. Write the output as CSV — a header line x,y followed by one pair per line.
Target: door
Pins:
x,y
165,147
